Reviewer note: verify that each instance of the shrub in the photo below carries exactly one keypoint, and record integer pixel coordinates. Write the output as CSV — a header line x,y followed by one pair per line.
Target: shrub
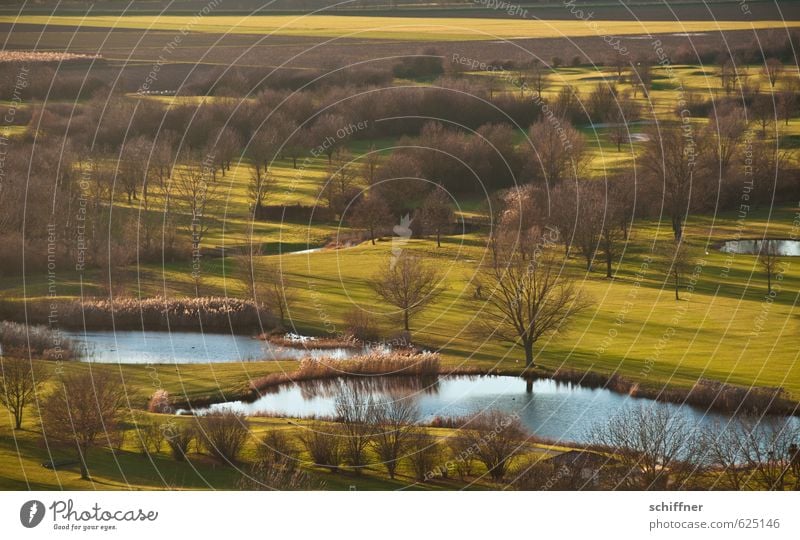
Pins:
x,y
151,437
424,452
496,438
159,403
179,440
278,449
40,340
323,445
361,325
224,433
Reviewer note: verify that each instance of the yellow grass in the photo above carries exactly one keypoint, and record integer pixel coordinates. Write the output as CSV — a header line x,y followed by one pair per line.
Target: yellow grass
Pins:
x,y
410,28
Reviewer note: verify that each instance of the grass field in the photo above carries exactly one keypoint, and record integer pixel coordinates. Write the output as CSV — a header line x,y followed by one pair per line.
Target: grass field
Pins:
x,y
404,28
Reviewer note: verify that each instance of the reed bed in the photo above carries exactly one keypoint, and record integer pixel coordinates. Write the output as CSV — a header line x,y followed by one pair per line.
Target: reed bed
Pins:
x,y
374,364
212,314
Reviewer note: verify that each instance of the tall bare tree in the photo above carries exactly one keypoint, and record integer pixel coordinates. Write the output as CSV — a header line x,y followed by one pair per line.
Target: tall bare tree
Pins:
x,y
671,159
772,70
768,257
677,260
527,297
437,213
408,283
371,213
653,447
84,410
20,380
394,422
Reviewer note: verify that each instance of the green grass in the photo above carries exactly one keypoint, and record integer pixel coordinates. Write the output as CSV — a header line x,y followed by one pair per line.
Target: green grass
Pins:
x,y
406,28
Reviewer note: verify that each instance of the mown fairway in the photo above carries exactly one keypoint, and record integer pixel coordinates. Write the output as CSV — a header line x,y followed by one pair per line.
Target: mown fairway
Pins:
x,y
405,28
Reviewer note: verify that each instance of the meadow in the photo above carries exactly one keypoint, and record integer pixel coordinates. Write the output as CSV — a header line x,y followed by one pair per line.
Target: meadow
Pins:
x,y
404,28
727,327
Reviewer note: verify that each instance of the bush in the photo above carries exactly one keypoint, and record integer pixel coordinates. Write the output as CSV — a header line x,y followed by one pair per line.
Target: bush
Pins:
x,y
39,340
223,434
424,453
278,449
323,445
361,325
151,438
179,440
159,403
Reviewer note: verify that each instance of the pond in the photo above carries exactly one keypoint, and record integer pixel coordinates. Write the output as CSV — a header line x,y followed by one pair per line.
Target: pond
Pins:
x,y
137,347
558,411
783,247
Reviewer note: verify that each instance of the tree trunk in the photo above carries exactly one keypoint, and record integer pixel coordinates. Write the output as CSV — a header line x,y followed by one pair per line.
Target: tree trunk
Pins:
x,y
84,467
528,354
528,386
438,240
405,320
769,281
608,263
372,236
18,418
676,285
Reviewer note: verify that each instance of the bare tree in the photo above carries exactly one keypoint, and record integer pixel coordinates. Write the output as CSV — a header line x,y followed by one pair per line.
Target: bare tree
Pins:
x,y
274,289
424,452
725,130
354,411
340,186
323,444
772,70
371,213
641,77
198,199
408,283
620,116
496,438
261,181
223,434
20,380
768,257
84,410
671,159
437,213
528,297
722,449
769,450
394,421
560,153
652,445
762,109
678,261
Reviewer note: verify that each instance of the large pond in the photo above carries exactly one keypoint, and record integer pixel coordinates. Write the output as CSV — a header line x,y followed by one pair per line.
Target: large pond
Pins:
x,y
554,410
783,248
137,347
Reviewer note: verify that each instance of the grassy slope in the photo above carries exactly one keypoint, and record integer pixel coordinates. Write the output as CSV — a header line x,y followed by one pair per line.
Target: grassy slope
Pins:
x,y
407,28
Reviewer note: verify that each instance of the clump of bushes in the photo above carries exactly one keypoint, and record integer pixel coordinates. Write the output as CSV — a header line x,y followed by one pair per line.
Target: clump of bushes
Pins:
x,y
323,444
179,438
40,340
159,402
223,434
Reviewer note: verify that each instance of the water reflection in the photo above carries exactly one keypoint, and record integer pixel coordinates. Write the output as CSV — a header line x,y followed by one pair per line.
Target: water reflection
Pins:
x,y
782,248
137,347
559,411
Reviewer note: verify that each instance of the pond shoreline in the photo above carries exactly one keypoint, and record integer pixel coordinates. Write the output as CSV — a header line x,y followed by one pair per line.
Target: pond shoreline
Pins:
x,y
708,395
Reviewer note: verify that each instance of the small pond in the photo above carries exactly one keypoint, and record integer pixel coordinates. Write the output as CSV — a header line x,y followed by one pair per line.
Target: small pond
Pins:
x,y
137,347
558,411
783,247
